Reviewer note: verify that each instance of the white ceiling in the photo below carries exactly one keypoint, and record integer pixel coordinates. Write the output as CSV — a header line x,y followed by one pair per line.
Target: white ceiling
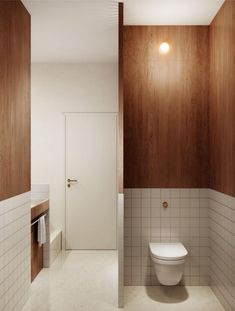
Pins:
x,y
87,30
73,30
170,12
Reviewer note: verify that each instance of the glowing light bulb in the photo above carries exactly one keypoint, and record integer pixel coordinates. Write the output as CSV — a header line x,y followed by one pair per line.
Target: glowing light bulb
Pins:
x,y
164,48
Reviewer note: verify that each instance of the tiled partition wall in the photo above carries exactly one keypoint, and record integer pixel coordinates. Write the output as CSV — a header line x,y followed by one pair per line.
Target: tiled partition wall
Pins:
x,y
185,220
222,236
14,252
120,250
40,191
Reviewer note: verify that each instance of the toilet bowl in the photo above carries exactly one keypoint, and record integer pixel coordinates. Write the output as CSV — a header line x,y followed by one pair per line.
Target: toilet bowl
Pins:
x,y
168,260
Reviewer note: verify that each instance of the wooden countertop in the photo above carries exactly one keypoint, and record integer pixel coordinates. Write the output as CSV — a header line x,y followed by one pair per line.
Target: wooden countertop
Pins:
x,y
37,209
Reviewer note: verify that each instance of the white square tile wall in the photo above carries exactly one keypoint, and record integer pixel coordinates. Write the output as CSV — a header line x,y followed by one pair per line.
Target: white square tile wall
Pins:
x,y
14,252
202,219
120,251
40,191
185,220
222,236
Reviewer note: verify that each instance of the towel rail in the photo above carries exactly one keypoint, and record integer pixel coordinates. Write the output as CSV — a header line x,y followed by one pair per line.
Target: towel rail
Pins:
x,y
33,223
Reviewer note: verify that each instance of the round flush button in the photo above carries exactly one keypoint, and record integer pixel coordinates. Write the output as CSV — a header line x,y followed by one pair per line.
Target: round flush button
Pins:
x,y
165,204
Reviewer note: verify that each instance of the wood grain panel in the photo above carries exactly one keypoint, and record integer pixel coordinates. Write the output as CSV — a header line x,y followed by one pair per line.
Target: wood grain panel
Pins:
x,y
36,250
36,254
120,97
222,100
39,210
166,106
14,99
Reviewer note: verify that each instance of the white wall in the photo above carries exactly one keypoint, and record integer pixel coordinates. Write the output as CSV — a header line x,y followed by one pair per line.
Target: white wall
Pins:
x,y
59,88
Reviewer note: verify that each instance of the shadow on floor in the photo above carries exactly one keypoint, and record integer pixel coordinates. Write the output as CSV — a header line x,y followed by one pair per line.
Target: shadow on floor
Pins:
x,y
167,294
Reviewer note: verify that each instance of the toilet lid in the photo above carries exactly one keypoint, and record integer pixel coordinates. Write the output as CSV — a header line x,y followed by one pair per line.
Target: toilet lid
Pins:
x,y
168,251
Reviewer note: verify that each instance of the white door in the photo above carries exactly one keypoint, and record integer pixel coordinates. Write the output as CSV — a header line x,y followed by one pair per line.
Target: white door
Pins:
x,y
91,193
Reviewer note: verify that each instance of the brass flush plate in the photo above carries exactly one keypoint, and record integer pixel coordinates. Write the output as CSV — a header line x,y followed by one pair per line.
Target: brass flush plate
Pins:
x,y
165,204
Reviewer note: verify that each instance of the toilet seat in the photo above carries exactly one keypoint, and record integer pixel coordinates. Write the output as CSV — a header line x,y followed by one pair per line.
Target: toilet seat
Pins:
x,y
168,262
168,251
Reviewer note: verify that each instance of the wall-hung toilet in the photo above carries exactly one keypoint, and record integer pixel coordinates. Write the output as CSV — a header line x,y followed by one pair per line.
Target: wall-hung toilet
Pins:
x,y
168,260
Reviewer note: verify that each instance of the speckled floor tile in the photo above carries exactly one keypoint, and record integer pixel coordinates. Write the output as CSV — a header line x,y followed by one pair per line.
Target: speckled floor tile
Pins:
x,y
87,281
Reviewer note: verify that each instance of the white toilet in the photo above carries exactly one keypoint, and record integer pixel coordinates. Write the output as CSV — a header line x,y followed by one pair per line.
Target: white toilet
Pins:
x,y
168,259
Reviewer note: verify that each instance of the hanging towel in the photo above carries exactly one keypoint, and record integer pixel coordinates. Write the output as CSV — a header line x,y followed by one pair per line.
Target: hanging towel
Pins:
x,y
41,231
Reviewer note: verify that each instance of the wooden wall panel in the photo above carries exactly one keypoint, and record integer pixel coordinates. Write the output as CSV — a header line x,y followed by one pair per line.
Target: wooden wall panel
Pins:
x,y
14,99
120,97
36,250
166,106
222,100
36,253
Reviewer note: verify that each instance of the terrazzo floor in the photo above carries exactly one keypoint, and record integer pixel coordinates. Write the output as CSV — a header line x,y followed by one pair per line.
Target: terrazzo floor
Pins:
x,y
87,281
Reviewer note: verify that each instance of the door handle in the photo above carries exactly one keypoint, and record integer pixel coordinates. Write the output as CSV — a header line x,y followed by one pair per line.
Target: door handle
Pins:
x,y
71,181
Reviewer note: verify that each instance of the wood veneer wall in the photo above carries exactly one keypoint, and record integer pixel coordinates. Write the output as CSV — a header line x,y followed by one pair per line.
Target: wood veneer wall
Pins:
x,y
14,99
222,100
120,97
166,107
